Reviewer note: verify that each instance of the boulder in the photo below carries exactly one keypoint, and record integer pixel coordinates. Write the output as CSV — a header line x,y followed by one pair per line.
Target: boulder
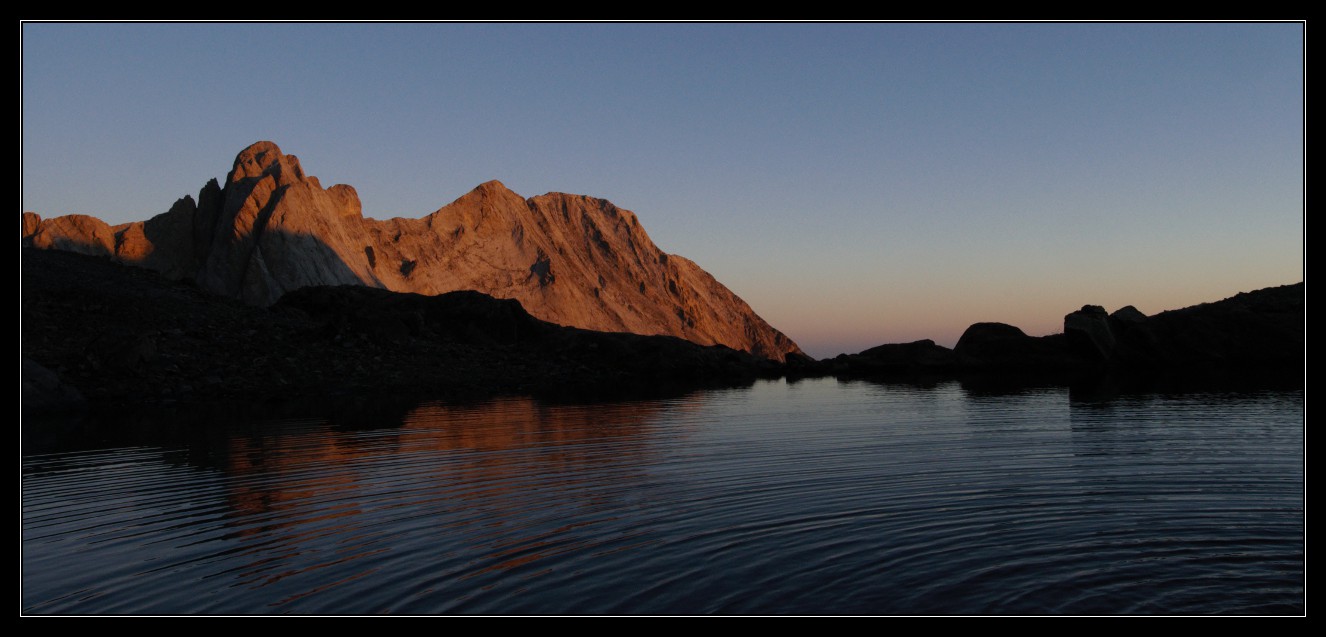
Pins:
x,y
1089,335
917,356
986,340
998,346
1129,314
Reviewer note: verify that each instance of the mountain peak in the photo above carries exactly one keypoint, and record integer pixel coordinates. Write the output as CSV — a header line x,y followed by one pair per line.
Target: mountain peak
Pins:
x,y
262,158
569,259
259,149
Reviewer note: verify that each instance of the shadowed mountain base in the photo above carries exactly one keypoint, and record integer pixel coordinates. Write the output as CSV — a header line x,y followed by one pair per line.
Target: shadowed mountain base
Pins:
x,y
123,335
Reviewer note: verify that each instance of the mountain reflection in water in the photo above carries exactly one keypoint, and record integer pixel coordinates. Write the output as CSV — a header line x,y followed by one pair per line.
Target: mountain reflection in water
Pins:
x,y
810,497
461,474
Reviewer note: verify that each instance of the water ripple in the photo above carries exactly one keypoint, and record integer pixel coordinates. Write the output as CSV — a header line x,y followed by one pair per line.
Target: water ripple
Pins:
x,y
817,497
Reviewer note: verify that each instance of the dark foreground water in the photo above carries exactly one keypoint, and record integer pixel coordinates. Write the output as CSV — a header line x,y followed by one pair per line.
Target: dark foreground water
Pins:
x,y
815,497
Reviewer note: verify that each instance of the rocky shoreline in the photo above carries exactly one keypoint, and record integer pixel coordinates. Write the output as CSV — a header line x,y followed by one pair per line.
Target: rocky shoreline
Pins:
x,y
101,335
1252,333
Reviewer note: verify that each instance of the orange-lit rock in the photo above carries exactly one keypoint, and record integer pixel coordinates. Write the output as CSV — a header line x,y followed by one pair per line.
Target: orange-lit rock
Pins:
x,y
568,259
74,233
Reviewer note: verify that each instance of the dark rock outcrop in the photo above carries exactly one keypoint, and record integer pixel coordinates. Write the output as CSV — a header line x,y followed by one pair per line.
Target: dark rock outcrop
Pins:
x,y
990,340
918,357
1256,332
1252,330
569,259
1002,347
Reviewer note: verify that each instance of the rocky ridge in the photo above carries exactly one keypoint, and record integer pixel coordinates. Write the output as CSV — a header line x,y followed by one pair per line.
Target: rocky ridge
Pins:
x,y
1254,332
573,260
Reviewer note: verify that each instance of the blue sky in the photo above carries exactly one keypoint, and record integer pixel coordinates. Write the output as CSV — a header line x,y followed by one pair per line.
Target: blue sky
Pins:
x,y
855,183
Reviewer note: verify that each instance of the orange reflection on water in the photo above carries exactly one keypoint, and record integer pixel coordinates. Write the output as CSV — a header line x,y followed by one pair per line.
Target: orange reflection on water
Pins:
x,y
492,486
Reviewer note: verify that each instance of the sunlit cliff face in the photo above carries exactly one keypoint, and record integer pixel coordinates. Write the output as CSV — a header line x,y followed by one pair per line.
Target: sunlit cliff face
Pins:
x,y
568,259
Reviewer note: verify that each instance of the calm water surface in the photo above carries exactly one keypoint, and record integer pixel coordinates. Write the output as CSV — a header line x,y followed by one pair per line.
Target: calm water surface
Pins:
x,y
816,497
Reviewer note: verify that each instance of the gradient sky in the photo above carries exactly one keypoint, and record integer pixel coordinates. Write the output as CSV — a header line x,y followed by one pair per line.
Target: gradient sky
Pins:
x,y
857,184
